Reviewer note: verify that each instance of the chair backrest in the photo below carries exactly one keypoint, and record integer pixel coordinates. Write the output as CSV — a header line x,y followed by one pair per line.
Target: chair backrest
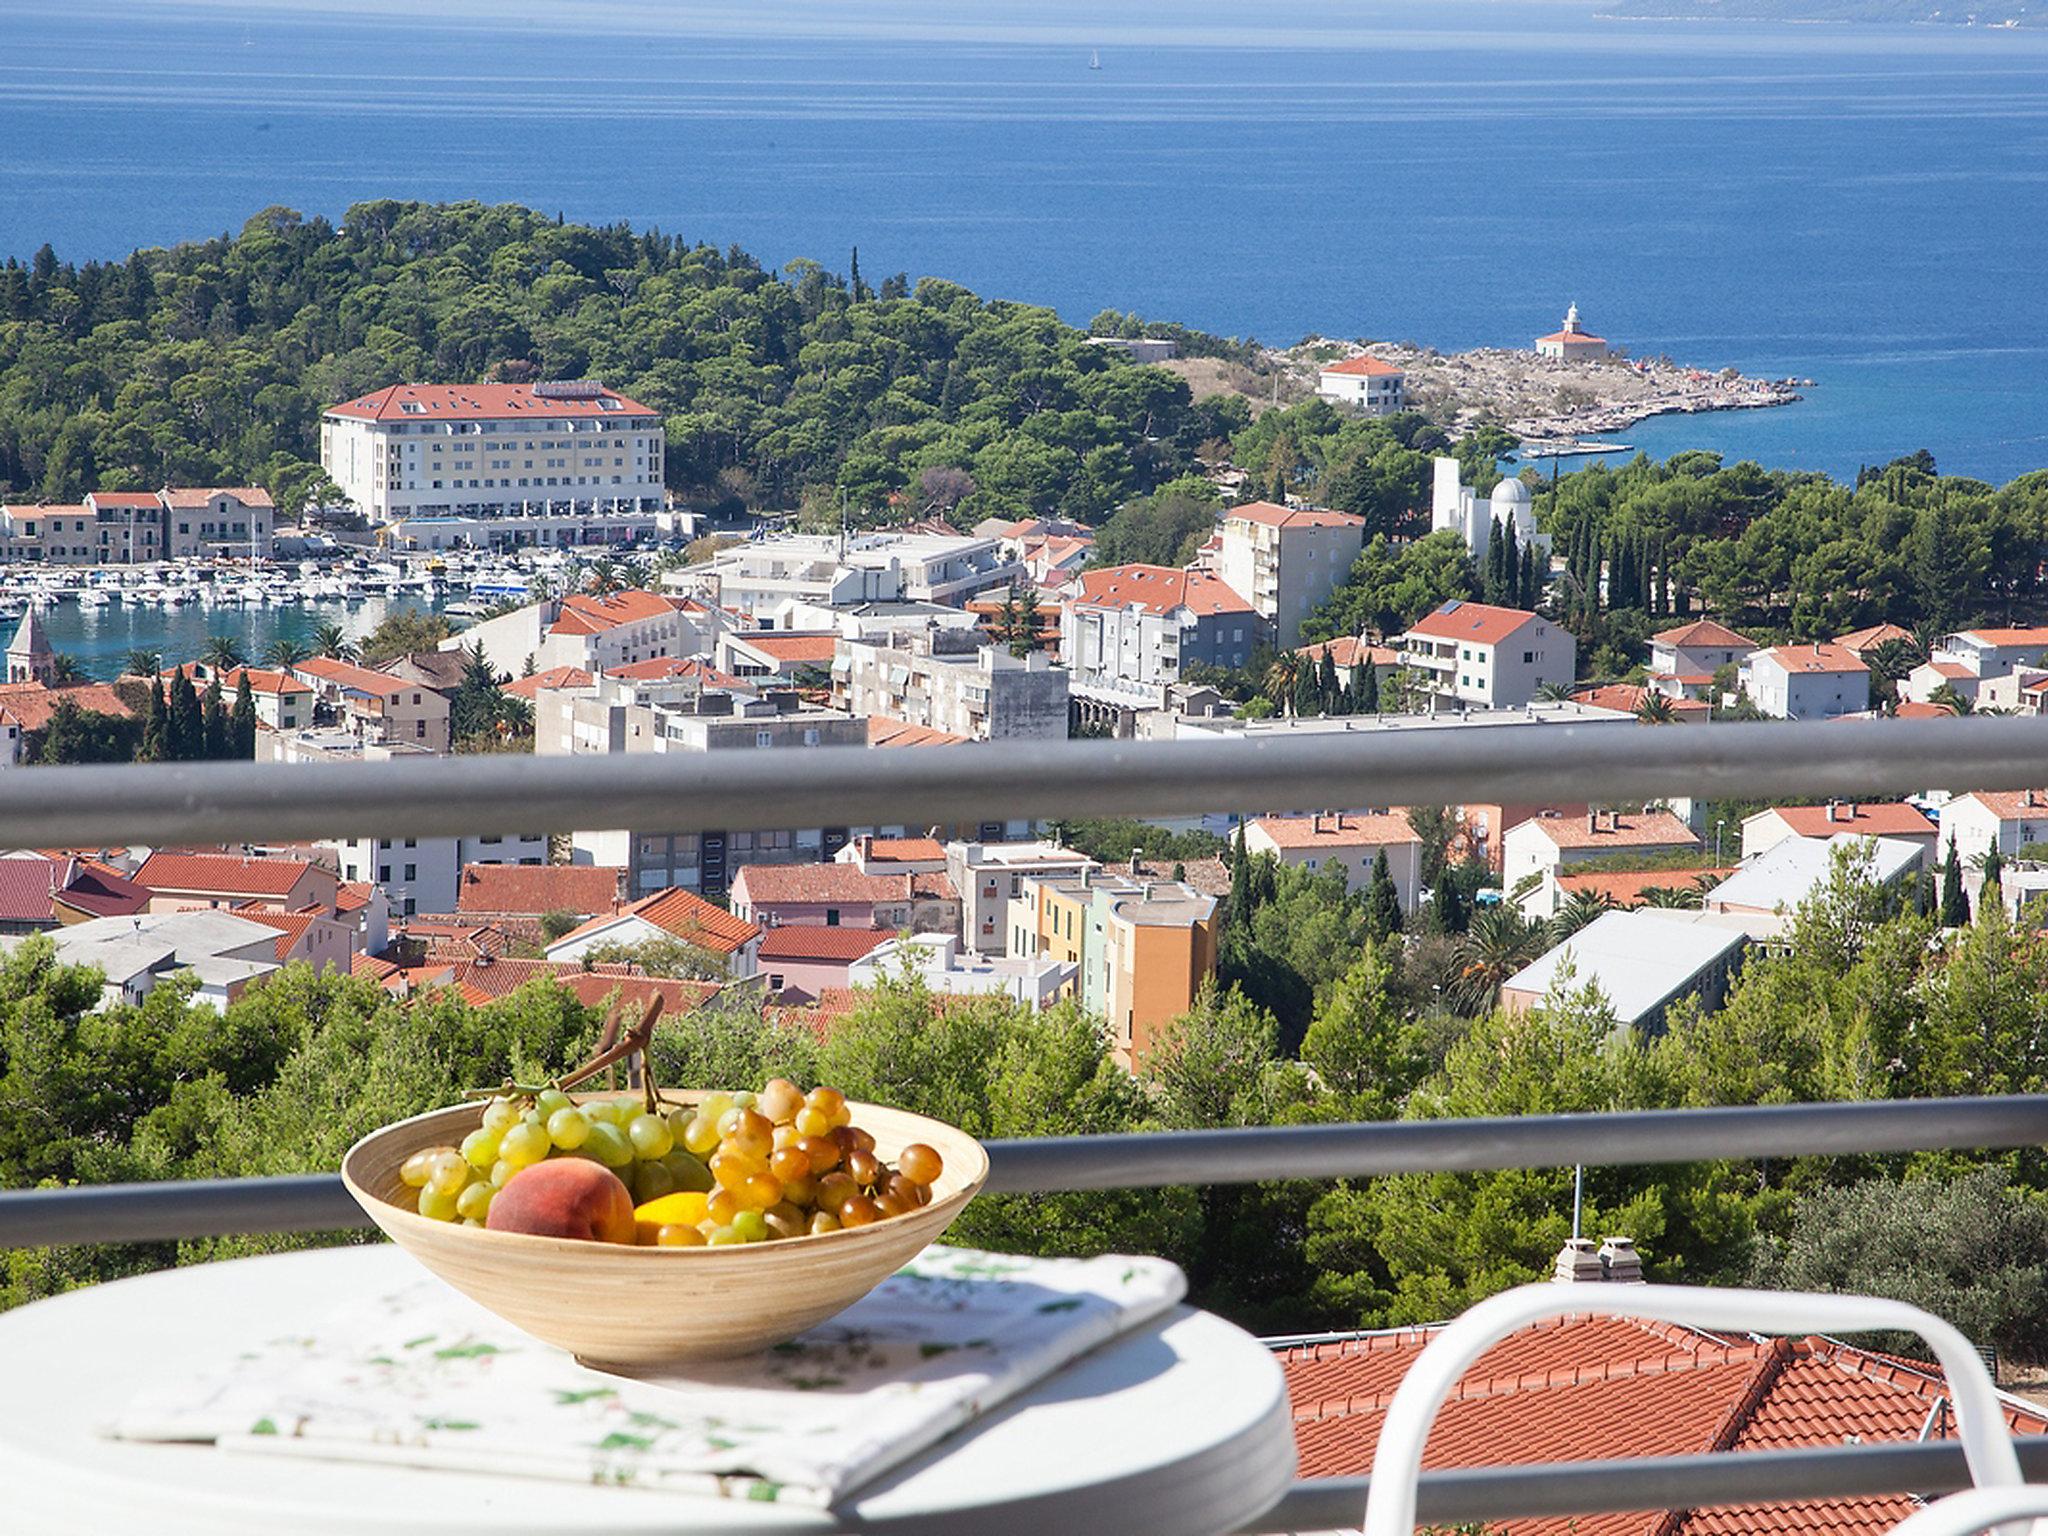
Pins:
x,y
1397,1461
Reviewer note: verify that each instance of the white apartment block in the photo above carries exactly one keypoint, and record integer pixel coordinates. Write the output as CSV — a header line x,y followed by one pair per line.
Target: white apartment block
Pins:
x,y
989,876
948,681
1806,682
1495,658
1287,560
1375,387
494,450
595,633
766,580
1128,631
423,874
140,527
2007,820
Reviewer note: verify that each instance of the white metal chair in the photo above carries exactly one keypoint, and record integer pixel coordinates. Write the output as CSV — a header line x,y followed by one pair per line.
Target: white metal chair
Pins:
x,y
1980,1422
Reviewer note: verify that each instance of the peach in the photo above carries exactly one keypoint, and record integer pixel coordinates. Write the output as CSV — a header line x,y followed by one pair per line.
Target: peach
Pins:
x,y
565,1197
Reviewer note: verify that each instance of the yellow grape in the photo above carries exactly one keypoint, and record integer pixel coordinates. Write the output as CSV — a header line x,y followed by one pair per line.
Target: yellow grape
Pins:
x,y
823,1152
827,1102
919,1163
436,1205
865,1169
811,1122
859,1211
678,1235
790,1163
700,1136
722,1207
412,1173
785,1220
823,1222
474,1203
448,1173
779,1100
759,1192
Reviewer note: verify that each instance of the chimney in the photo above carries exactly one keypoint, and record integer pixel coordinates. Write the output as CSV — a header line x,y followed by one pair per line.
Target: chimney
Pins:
x,y
1137,861
1577,1262
1832,804
1619,1259
1592,819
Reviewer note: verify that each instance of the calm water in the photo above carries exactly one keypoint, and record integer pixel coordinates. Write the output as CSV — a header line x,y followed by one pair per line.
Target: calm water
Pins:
x,y
1862,205
101,638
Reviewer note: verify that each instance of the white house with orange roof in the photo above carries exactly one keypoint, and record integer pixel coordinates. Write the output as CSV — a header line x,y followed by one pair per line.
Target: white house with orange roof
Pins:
x,y
1372,384
283,702
1870,637
1287,560
1986,666
673,914
1546,846
1495,658
1683,660
2005,819
1863,818
493,450
232,520
1129,630
177,881
594,633
1348,651
1572,342
1806,682
1349,842
377,708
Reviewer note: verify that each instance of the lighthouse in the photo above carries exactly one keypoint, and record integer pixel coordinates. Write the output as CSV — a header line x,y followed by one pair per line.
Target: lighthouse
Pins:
x,y
1574,341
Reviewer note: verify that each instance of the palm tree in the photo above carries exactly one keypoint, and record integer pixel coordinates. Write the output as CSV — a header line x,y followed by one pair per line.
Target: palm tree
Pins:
x,y
142,663
1946,696
1583,907
1281,678
221,652
603,576
65,670
1554,693
1498,943
1683,896
332,641
1894,659
515,715
1655,708
284,651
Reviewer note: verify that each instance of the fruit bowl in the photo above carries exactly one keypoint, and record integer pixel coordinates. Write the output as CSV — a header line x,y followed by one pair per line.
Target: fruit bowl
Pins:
x,y
613,1304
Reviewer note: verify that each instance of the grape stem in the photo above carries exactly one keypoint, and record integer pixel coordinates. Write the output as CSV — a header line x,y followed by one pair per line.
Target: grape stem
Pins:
x,y
616,1044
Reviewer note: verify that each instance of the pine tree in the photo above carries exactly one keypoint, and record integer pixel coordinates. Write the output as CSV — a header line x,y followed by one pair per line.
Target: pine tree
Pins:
x,y
244,733
213,721
1382,901
186,737
478,703
1955,906
155,727
1025,640
1006,620
1369,692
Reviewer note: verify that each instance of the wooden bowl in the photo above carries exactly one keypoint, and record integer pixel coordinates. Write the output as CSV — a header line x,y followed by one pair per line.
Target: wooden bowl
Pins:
x,y
610,1304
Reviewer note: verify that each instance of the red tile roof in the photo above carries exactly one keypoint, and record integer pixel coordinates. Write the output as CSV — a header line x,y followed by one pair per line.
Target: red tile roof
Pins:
x,y
2013,804
1627,889
775,884
1955,671
261,680
28,887
194,497
140,500
2012,636
532,889
1921,709
593,989
1344,830
1270,515
553,677
794,941
662,669
786,648
1370,367
1862,641
1880,819
1349,650
904,850
1592,1388
1703,632
1628,698
346,674
1159,589
1480,623
221,874
353,896
684,914
888,731
32,704
478,402
1647,829
372,967
99,891
290,926
586,614
1583,338
1816,658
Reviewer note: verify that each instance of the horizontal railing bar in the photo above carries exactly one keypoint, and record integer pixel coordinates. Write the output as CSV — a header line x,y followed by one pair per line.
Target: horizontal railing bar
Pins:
x,y
163,803
1651,1483
134,1213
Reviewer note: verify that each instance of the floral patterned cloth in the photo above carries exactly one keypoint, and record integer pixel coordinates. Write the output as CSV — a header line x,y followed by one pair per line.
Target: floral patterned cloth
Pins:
x,y
425,1377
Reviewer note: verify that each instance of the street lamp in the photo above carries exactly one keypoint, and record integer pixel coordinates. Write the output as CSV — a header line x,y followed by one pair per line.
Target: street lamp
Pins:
x,y
1717,840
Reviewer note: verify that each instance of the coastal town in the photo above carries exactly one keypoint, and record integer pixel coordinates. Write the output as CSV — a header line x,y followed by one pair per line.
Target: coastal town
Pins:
x,y
1134,539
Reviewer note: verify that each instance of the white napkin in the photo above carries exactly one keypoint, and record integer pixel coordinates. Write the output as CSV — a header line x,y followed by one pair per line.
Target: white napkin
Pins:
x,y
425,1377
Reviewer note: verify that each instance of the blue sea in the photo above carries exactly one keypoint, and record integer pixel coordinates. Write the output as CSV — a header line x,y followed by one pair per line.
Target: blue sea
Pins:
x,y
1865,206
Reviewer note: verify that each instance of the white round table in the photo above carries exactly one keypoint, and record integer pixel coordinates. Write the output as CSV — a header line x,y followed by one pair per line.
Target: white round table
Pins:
x,y
1179,1429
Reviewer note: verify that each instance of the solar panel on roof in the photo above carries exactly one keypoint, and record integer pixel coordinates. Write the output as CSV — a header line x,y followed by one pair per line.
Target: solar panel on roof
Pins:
x,y
1449,607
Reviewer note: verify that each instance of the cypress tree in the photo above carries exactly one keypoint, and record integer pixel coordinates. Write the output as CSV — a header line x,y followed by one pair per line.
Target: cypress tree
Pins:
x,y
1955,906
1532,579
1495,549
1240,913
1992,891
244,733
1308,693
1326,683
1354,692
155,726
186,737
1382,901
1447,906
213,722
1510,565
1369,692
1276,489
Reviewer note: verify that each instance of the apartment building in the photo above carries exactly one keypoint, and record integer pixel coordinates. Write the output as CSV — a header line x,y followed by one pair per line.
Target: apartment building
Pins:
x,y
990,876
593,633
1129,630
1479,654
424,874
283,702
1684,659
1349,842
140,527
948,681
375,707
177,881
1881,818
1806,682
769,579
1287,560
493,450
939,961
1548,845
835,895
2007,820
1375,387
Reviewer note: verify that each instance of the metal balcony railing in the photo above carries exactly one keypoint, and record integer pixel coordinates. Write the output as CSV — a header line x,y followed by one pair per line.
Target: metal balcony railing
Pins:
x,y
163,804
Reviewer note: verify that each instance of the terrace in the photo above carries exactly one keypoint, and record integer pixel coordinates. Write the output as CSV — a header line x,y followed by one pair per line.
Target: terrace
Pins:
x,y
176,804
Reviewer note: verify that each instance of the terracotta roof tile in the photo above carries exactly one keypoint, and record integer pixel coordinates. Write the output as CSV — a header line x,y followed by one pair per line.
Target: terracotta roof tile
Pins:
x,y
790,648
1158,589
1342,830
1863,641
478,402
1871,819
346,674
532,889
32,704
1816,658
1349,650
884,850
1645,829
2011,637
553,677
613,609
222,873
1369,367
662,669
1272,515
1626,888
888,731
1702,632
2013,804
1628,698
775,884
1480,623
803,941
684,914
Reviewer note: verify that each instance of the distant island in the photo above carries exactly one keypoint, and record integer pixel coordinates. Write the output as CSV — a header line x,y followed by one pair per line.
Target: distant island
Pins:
x,y
2004,14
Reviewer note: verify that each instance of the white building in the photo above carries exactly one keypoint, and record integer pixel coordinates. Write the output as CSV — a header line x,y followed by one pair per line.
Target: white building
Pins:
x,y
1890,819
937,960
1547,845
1806,682
594,633
1683,660
1287,560
989,876
1474,518
1770,888
1642,961
763,580
491,450
1573,341
1347,841
948,680
140,527
1495,658
424,874
222,952
1375,387
1128,631
1972,661
1139,349
2005,819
